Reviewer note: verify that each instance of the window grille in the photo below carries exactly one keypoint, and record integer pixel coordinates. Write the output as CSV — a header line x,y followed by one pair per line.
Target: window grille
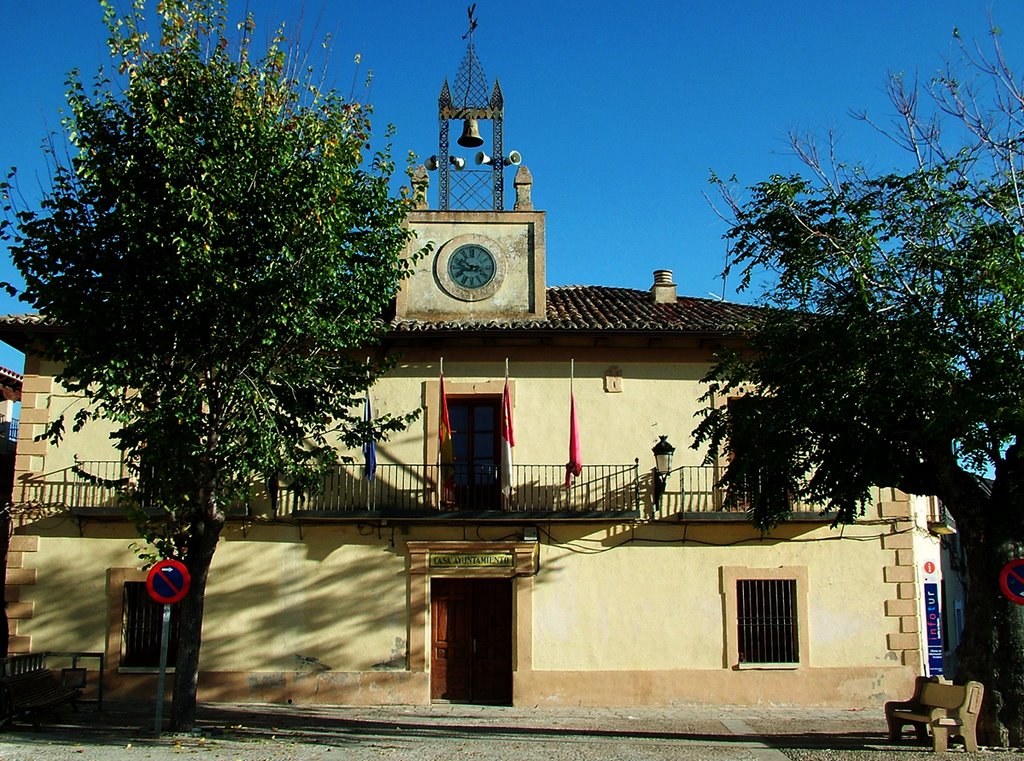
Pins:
x,y
140,628
767,621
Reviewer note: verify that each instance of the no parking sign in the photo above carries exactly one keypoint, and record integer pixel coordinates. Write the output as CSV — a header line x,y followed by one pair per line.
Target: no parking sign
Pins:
x,y
168,581
1011,581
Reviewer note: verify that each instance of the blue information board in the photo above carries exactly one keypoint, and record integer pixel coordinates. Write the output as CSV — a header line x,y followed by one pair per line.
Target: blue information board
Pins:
x,y
933,628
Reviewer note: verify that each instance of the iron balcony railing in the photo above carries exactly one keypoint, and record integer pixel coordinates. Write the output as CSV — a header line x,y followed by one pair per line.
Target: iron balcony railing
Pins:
x,y
418,490
8,435
97,486
426,489
85,486
693,489
8,430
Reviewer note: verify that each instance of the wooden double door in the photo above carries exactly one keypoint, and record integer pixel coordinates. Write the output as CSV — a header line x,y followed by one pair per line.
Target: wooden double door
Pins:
x,y
471,640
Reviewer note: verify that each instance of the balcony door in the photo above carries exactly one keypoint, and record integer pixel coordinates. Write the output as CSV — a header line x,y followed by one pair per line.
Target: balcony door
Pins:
x,y
471,640
476,428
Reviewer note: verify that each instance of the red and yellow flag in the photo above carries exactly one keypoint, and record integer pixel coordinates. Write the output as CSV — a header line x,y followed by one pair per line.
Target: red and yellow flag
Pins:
x,y
575,465
508,440
445,454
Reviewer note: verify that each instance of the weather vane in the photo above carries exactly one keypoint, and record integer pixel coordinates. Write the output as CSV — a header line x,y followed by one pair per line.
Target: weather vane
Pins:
x,y
472,22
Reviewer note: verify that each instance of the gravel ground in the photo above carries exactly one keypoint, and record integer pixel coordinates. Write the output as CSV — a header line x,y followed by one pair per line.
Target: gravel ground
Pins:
x,y
471,733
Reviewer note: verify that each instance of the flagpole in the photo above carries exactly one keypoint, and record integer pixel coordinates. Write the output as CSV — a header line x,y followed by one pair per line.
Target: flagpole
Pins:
x,y
568,465
369,480
440,413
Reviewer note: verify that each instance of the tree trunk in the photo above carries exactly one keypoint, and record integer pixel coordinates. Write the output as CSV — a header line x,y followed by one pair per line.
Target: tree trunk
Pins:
x,y
992,646
202,544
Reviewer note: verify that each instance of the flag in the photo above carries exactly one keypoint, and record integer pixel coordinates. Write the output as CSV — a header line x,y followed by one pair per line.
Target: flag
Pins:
x,y
508,440
447,457
369,447
575,465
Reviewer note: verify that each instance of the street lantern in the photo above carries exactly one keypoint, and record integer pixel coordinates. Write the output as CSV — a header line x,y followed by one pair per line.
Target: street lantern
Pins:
x,y
663,452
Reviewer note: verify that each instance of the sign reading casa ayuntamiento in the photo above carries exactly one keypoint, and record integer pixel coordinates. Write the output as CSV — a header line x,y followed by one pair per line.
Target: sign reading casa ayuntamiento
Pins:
x,y
472,560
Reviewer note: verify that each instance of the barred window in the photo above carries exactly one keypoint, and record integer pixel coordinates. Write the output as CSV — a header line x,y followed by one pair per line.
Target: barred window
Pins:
x,y
140,628
767,621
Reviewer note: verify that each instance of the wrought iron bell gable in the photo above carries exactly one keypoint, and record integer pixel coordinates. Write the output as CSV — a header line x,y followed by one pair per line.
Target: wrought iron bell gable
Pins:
x,y
470,184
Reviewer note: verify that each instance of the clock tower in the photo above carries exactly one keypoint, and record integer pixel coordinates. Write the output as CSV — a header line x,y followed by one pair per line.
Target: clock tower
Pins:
x,y
485,263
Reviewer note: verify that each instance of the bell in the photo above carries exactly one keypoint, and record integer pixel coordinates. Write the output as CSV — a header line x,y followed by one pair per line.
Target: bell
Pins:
x,y
470,135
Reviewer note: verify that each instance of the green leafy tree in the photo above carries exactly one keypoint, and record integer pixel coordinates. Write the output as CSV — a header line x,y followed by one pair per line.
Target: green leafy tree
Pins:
x,y
217,241
891,348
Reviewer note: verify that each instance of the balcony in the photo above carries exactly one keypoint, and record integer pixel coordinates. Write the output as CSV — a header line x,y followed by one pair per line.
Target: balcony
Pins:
x,y
691,489
940,522
98,488
415,491
8,435
691,493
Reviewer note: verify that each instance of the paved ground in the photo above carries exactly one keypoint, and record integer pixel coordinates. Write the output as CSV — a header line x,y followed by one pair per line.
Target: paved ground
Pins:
x,y
470,733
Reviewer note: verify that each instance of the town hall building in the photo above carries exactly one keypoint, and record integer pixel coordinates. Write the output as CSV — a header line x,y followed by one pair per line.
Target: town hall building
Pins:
x,y
590,562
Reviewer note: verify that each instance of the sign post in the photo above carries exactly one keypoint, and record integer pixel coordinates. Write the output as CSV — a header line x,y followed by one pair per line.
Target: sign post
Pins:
x,y
168,582
165,627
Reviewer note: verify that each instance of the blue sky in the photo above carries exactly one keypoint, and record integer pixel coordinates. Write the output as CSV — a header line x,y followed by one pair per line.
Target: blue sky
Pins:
x,y
620,109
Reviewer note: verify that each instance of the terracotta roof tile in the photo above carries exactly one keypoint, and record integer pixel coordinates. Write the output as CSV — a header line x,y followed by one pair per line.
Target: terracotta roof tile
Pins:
x,y
569,307
601,308
27,319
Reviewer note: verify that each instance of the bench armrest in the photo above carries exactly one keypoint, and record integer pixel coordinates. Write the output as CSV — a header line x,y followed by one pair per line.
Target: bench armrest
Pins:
x,y
935,714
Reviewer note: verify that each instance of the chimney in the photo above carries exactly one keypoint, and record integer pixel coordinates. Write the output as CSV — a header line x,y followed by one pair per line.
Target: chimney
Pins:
x,y
664,290
524,189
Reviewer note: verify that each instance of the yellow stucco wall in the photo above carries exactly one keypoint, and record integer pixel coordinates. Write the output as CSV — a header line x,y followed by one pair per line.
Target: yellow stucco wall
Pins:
x,y
642,599
42,468
656,602
338,595
621,597
657,398
70,595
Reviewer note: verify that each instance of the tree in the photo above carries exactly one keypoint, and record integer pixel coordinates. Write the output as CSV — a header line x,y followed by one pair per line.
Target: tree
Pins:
x,y
214,247
890,350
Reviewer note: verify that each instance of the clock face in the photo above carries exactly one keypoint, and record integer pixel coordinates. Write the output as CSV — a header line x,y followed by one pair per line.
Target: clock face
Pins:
x,y
471,266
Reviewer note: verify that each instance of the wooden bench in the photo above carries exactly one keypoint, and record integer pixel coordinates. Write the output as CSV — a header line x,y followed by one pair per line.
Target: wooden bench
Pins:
x,y
28,693
945,709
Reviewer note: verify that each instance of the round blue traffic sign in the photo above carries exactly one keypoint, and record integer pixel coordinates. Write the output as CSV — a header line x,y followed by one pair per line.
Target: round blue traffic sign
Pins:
x,y
1011,581
168,581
